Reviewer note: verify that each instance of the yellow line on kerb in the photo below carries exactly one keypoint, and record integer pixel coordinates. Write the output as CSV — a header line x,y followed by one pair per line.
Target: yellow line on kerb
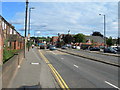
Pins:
x,y
62,86
60,77
60,80
46,60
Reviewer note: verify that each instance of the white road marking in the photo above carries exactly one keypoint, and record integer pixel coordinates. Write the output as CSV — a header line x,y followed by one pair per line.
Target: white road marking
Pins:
x,y
62,58
53,53
35,63
112,85
76,66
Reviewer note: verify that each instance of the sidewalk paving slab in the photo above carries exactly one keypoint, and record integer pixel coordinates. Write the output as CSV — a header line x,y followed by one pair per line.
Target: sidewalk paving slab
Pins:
x,y
33,72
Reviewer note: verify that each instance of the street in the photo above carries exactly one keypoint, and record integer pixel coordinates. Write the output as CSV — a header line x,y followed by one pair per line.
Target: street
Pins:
x,y
108,58
83,73
60,44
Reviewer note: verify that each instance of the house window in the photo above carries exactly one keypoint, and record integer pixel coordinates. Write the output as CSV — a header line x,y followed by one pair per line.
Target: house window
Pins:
x,y
14,32
10,30
8,44
3,25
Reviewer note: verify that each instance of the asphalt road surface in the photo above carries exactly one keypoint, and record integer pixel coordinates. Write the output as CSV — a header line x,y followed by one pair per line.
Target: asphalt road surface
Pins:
x,y
112,59
79,72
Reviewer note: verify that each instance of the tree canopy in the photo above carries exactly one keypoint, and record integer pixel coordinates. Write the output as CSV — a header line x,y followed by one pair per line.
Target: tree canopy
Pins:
x,y
97,34
79,38
68,39
109,41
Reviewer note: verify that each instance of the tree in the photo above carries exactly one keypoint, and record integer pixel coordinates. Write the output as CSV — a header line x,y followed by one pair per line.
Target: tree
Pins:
x,y
109,41
97,34
79,38
68,39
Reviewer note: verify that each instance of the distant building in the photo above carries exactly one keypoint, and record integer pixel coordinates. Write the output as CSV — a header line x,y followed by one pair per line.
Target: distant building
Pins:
x,y
97,40
54,40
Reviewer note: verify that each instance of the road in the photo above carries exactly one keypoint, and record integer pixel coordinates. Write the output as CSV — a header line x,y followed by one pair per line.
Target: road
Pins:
x,y
79,72
112,59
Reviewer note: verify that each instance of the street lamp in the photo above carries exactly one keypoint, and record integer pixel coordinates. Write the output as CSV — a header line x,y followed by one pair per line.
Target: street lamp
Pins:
x,y
29,26
68,31
104,29
29,21
25,40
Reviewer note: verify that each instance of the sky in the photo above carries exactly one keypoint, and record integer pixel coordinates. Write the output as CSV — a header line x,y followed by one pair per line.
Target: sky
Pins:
x,y
51,18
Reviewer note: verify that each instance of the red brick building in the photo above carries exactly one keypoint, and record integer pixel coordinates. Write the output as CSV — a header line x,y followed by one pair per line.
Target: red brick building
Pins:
x,y
1,43
9,37
54,40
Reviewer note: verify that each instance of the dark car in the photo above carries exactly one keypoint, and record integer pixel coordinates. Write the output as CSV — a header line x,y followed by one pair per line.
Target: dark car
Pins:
x,y
110,50
63,47
52,47
42,46
94,49
48,46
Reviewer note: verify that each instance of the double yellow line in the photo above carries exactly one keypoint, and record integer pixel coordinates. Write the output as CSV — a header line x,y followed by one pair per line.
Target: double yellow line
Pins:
x,y
59,79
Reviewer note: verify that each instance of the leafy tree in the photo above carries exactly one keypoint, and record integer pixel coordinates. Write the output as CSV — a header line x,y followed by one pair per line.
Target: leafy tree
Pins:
x,y
79,38
109,41
68,39
97,34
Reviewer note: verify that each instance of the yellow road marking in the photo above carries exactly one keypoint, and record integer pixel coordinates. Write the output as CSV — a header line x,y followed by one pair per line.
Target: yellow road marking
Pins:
x,y
62,86
60,77
55,73
46,60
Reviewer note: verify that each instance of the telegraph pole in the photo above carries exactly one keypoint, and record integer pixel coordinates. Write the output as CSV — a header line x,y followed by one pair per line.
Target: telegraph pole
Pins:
x,y
26,14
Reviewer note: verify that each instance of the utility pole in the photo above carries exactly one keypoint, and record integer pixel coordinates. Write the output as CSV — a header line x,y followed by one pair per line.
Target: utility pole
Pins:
x,y
104,29
26,14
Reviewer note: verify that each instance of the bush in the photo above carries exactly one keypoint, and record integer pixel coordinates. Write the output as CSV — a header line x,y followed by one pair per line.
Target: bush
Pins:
x,y
7,54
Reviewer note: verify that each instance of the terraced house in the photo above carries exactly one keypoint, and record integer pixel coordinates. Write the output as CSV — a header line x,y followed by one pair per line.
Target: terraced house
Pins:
x,y
9,37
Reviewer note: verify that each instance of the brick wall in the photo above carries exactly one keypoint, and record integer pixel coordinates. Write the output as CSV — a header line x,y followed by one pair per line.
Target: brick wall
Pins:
x,y
1,49
1,43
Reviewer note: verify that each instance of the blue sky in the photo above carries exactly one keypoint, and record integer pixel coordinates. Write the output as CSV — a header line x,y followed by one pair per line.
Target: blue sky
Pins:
x,y
50,18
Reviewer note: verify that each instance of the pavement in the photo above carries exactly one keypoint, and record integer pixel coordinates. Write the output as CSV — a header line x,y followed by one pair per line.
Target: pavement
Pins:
x,y
33,73
80,72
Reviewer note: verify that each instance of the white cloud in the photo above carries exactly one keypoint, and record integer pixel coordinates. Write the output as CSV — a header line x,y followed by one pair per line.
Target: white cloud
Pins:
x,y
79,17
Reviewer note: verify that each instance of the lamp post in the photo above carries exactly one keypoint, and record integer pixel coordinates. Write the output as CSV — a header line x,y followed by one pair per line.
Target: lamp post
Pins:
x,y
104,17
68,31
29,20
25,40
29,26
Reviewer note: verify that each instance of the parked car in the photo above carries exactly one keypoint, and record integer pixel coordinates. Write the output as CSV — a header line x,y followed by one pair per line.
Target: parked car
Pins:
x,y
73,47
116,48
77,47
94,49
42,46
68,45
110,50
52,47
63,47
48,46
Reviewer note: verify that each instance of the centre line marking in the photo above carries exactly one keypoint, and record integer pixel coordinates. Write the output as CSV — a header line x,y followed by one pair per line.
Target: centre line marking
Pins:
x,y
76,66
112,85
62,58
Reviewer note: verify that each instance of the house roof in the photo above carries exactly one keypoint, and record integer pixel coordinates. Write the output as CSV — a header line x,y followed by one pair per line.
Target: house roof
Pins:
x,y
95,39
